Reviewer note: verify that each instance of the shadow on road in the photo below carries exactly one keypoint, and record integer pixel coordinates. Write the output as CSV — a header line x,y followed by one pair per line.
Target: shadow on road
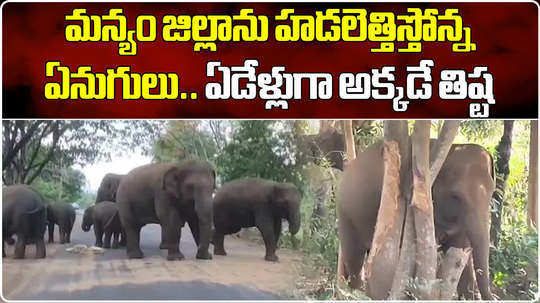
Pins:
x,y
192,290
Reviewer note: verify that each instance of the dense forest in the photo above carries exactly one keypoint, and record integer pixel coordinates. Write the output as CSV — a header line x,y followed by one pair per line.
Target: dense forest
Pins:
x,y
46,155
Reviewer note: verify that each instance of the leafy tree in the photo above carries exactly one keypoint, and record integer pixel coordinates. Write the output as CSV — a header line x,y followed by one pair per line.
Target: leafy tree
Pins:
x,y
61,185
188,140
264,149
30,146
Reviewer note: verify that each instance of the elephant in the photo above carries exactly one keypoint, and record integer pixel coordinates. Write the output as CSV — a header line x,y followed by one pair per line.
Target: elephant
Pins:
x,y
108,188
329,144
255,202
461,194
170,195
63,215
106,220
25,215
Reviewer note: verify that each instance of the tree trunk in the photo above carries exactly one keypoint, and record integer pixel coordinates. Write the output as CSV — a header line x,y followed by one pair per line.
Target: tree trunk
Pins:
x,y
349,141
532,199
384,253
450,271
407,260
504,151
426,246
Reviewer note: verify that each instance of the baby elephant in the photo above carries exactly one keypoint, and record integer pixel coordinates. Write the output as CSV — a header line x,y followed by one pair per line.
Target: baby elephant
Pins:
x,y
106,220
255,202
63,215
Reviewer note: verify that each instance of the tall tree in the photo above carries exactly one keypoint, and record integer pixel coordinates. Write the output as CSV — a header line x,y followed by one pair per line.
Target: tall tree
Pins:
x,y
390,267
502,168
532,202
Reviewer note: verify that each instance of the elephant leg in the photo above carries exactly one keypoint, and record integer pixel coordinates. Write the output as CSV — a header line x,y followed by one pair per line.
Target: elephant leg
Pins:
x,y
40,248
219,248
277,229
98,231
20,246
466,285
116,235
163,244
265,225
107,241
51,232
62,232
68,233
193,223
123,240
352,253
133,249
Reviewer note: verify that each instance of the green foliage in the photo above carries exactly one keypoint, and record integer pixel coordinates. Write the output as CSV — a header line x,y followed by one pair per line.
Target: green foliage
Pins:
x,y
185,140
86,199
368,134
263,149
514,263
63,185
318,241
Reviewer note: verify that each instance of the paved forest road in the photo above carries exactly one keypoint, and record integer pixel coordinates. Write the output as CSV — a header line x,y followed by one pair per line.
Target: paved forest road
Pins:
x,y
242,275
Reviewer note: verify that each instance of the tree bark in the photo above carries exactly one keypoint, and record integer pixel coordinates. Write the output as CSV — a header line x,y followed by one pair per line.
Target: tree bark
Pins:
x,y
450,271
440,149
426,246
532,198
384,253
407,260
504,151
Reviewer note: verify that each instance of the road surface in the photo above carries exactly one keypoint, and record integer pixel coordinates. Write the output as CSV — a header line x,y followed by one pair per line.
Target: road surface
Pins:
x,y
242,275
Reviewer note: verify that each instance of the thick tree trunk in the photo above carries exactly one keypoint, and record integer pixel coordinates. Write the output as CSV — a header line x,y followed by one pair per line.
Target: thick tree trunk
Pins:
x,y
384,253
407,260
532,203
504,151
426,246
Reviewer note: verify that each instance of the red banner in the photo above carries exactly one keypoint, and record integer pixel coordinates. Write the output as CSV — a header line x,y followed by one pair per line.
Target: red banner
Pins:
x,y
270,60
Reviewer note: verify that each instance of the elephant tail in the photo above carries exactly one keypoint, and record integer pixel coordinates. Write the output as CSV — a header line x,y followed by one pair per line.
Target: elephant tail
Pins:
x,y
110,223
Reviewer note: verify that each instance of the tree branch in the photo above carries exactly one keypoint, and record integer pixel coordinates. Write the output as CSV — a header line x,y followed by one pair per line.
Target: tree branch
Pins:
x,y
25,137
441,148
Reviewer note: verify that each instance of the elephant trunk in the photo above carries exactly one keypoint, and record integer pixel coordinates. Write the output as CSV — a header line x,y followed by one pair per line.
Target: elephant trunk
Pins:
x,y
294,221
477,222
87,221
204,211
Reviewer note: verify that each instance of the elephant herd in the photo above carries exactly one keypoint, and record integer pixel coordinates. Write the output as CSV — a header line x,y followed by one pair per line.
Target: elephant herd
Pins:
x,y
167,194
174,194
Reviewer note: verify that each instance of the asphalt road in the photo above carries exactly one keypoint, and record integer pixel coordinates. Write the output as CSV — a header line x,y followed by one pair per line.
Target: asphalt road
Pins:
x,y
242,275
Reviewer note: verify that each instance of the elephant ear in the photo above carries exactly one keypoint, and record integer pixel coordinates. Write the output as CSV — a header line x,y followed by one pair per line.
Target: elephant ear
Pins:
x,y
278,196
171,181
